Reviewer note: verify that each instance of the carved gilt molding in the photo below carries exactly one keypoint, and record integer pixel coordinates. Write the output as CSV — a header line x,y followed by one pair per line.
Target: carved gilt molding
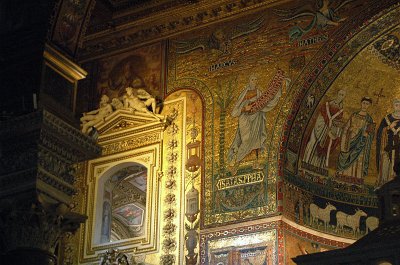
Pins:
x,y
129,32
126,138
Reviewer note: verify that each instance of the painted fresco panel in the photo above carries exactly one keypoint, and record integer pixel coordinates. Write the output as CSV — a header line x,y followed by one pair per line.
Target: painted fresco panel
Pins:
x,y
70,23
140,69
131,214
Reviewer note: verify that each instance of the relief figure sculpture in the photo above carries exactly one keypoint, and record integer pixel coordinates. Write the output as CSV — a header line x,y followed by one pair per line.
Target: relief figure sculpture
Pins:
x,y
139,100
90,118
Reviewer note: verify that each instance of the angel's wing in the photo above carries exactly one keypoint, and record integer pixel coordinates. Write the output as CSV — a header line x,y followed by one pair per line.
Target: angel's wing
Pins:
x,y
246,28
289,14
186,46
342,4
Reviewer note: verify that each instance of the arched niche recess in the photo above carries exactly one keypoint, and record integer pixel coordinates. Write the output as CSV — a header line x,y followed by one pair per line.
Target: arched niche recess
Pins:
x,y
122,193
121,203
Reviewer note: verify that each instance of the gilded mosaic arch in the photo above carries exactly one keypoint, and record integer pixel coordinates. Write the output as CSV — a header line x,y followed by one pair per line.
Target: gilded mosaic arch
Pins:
x,y
326,65
300,112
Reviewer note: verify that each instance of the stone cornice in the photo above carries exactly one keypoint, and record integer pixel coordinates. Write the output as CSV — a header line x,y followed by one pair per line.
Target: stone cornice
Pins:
x,y
58,61
129,32
134,11
40,152
47,123
122,6
82,146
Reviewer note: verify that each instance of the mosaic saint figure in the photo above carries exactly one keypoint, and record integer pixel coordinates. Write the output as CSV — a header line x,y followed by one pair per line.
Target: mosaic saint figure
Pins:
x,y
388,145
324,136
251,131
356,141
